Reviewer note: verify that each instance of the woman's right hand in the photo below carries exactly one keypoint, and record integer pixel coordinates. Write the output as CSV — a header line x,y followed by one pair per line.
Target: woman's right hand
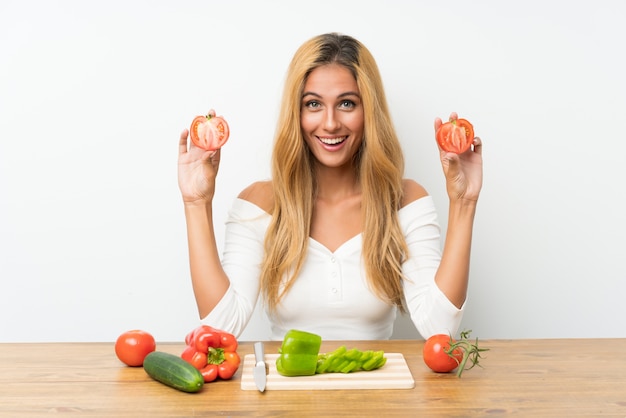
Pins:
x,y
197,169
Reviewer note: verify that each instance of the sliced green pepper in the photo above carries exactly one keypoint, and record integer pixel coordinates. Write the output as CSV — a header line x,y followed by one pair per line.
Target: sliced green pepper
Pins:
x,y
299,356
343,360
298,353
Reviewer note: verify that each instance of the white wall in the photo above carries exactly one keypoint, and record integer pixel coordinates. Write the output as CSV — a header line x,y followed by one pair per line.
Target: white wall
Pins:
x,y
93,96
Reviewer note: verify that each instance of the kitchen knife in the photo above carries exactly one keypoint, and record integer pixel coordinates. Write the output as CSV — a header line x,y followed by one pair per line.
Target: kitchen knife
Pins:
x,y
260,377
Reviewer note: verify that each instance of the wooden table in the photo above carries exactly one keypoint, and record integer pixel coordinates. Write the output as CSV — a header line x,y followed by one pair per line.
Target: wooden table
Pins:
x,y
530,378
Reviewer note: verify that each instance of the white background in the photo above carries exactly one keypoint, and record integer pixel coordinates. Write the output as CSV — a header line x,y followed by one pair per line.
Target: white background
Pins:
x,y
93,96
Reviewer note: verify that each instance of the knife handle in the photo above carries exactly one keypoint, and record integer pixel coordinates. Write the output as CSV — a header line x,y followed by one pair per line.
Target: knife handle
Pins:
x,y
259,352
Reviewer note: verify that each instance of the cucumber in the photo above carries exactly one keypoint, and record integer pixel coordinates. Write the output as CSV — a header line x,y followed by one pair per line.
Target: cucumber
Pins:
x,y
173,371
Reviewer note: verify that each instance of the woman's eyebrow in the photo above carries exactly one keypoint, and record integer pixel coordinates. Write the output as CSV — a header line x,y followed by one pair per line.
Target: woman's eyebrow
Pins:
x,y
310,93
348,93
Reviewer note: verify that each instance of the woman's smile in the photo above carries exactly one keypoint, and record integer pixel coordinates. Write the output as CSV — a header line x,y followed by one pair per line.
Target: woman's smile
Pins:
x,y
332,143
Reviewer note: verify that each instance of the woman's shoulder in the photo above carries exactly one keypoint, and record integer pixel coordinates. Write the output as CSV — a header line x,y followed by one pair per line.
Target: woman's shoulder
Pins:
x,y
259,193
412,191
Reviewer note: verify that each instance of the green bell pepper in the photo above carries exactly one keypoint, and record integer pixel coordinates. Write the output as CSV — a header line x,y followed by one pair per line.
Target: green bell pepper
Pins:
x,y
299,356
298,353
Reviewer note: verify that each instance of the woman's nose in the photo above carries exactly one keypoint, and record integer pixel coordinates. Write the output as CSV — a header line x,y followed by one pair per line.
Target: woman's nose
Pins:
x,y
331,123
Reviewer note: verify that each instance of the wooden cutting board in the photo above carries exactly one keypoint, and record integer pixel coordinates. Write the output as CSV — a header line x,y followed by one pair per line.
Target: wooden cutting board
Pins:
x,y
395,374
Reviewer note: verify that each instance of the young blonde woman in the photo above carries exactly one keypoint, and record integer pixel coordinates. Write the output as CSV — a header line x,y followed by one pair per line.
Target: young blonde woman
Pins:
x,y
337,241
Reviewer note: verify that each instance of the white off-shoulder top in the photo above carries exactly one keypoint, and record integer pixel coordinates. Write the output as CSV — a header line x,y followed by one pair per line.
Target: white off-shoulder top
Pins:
x,y
331,296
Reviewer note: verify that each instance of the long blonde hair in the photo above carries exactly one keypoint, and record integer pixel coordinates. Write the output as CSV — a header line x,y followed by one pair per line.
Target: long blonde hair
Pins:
x,y
379,166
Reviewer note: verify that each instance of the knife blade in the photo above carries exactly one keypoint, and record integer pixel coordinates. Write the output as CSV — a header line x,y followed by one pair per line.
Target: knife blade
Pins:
x,y
260,377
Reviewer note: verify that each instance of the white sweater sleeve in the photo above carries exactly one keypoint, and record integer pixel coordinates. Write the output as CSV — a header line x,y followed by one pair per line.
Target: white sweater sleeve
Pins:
x,y
431,311
241,260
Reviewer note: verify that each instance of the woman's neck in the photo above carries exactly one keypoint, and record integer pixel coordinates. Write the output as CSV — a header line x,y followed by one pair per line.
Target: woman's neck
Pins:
x,y
334,184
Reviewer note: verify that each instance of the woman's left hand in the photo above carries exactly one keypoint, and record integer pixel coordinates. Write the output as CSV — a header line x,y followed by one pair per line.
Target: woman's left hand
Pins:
x,y
464,172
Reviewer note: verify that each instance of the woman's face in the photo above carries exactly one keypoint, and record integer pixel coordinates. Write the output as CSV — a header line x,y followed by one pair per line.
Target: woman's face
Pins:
x,y
332,115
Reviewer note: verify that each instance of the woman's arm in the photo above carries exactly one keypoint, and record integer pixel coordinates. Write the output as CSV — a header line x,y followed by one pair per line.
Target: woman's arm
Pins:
x,y
197,170
226,289
209,281
453,273
463,175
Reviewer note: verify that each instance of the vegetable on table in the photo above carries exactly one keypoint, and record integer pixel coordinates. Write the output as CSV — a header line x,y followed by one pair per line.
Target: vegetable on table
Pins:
x,y
343,360
300,356
131,347
443,354
213,352
456,135
298,353
173,371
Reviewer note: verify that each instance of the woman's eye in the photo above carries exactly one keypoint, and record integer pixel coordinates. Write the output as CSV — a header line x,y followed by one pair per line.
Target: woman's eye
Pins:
x,y
312,104
347,104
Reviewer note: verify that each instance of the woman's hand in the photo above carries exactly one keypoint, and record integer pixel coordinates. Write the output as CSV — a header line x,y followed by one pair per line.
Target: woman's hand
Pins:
x,y
464,172
197,169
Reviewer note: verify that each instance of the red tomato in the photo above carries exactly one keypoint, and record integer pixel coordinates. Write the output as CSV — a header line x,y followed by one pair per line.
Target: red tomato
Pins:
x,y
435,355
455,136
133,346
209,132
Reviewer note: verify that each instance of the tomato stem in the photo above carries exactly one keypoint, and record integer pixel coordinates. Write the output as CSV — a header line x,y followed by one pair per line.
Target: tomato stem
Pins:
x,y
471,351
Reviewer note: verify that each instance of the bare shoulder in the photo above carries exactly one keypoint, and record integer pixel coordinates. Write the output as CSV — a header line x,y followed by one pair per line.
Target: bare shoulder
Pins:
x,y
259,193
412,191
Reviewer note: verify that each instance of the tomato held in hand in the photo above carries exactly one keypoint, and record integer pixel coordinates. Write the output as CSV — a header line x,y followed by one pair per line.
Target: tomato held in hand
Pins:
x,y
455,135
209,132
435,355
133,346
